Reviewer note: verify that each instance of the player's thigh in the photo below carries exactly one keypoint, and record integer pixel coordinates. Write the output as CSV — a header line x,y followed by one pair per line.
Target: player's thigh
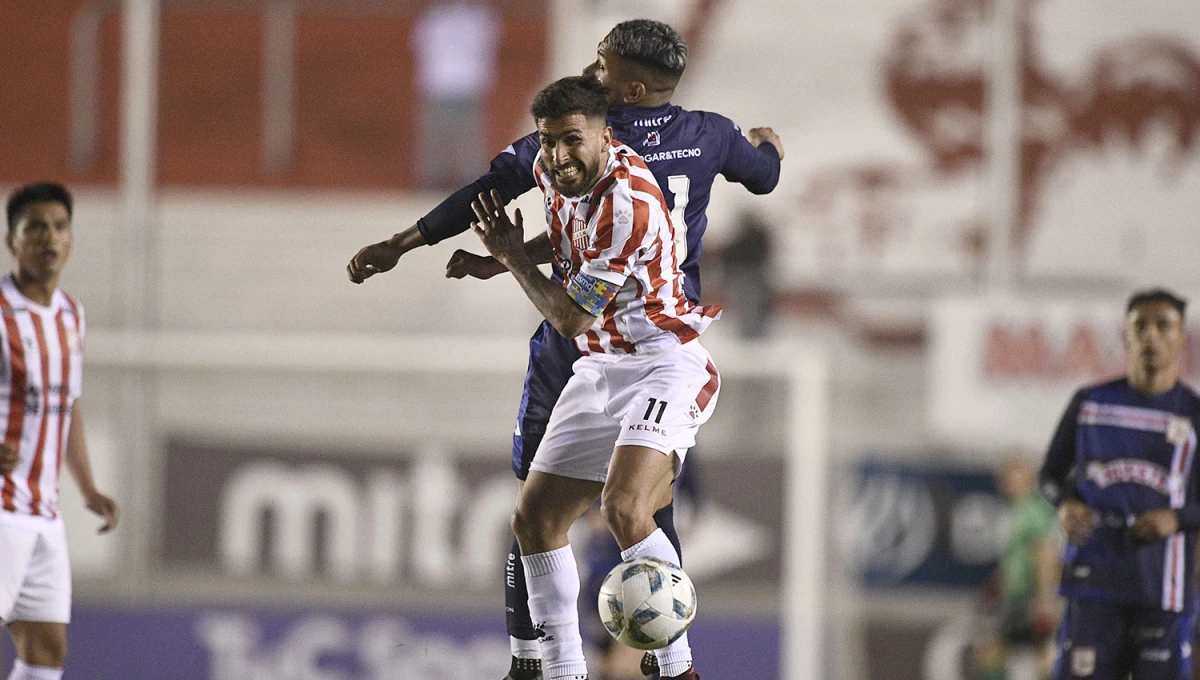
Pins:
x,y
662,400
16,551
551,357
1091,642
1162,645
637,478
46,592
549,504
579,438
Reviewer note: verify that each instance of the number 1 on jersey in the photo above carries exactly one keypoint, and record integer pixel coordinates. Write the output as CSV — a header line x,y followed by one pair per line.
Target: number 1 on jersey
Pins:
x,y
678,185
662,406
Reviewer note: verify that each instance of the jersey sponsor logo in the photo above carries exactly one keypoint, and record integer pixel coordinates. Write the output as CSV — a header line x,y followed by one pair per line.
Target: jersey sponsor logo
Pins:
x,y
694,152
1128,471
652,429
653,122
652,139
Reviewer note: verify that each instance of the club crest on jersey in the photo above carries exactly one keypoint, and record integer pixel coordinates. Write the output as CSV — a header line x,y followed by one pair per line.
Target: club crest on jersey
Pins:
x,y
1179,430
652,139
73,341
1083,661
579,233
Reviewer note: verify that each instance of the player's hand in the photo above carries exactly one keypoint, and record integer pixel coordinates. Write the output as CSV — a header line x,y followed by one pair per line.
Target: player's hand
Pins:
x,y
765,134
463,264
502,238
8,459
1154,525
1076,520
105,507
374,259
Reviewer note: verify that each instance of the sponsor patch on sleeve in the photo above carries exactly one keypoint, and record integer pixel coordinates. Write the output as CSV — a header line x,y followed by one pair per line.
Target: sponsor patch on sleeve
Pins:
x,y
590,293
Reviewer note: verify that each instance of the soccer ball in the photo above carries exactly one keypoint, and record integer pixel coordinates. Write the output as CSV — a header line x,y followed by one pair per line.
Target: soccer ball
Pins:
x,y
647,603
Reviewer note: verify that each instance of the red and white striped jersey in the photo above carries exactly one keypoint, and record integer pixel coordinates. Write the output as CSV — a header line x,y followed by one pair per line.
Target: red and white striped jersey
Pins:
x,y
620,234
42,377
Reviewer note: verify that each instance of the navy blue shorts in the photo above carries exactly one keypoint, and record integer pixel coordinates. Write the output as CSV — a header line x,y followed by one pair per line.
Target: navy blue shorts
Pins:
x,y
1105,641
551,357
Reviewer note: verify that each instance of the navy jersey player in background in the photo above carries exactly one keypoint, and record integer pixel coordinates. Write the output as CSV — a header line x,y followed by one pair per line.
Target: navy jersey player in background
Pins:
x,y
639,62
1121,471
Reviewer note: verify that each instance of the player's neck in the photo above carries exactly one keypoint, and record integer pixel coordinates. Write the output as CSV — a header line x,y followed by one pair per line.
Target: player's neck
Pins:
x,y
1152,382
36,290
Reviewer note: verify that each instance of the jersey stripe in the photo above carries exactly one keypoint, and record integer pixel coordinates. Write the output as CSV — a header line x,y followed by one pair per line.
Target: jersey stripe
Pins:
x,y
16,395
629,236
35,470
65,395
710,388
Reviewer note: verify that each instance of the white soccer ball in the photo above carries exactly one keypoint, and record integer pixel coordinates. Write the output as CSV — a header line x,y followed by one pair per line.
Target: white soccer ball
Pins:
x,y
647,603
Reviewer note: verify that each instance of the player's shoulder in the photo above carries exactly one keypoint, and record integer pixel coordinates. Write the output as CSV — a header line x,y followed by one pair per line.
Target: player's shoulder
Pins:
x,y
1111,390
71,303
708,120
1190,394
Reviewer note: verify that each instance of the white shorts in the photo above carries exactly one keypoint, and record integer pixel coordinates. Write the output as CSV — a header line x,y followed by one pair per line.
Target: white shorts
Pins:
x,y
657,400
35,573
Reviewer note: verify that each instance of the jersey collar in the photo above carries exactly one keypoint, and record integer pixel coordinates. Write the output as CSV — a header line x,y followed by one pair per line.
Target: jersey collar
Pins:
x,y
640,116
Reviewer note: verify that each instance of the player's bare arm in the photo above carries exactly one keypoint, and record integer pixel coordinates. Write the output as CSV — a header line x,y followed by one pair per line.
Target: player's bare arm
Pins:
x,y
506,242
759,135
463,264
80,466
383,256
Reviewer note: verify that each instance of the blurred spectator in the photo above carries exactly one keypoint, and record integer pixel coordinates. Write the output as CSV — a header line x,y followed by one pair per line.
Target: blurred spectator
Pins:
x,y
455,46
1026,604
745,276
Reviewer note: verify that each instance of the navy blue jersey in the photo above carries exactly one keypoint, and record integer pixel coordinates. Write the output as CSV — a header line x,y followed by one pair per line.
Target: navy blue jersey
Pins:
x,y
1123,452
685,150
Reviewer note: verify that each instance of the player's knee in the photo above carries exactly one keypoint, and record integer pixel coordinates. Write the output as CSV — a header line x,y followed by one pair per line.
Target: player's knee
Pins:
x,y
626,516
531,528
41,645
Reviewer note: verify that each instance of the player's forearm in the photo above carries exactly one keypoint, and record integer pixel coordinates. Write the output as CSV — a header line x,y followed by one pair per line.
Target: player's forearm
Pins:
x,y
77,454
549,298
407,240
539,250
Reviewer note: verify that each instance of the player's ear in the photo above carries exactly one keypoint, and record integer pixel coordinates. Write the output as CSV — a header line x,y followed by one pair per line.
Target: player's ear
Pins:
x,y
634,92
607,137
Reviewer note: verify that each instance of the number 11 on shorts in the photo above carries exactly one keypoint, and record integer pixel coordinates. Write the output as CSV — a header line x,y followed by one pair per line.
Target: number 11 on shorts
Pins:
x,y
662,406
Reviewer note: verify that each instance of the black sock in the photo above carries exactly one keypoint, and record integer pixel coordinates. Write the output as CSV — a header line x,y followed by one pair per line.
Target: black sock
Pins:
x,y
516,598
665,519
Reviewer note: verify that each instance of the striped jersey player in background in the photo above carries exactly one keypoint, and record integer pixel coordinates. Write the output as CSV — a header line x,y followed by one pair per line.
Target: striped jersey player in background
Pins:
x,y
41,338
644,385
640,62
1121,469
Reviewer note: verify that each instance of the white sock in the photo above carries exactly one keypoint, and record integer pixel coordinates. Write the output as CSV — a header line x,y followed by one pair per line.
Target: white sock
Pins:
x,y
525,649
675,658
21,671
553,582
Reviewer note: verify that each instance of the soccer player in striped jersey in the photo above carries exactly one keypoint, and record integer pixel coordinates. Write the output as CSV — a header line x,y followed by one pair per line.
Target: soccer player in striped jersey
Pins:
x,y
1121,469
643,386
41,339
640,62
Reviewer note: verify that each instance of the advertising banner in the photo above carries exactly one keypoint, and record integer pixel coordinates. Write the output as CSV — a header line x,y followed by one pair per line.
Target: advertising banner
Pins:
x,y
1002,369
246,644
908,525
